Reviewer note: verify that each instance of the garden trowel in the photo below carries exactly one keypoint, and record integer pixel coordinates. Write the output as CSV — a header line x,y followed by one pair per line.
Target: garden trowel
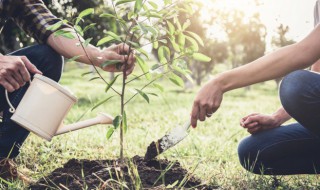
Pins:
x,y
169,140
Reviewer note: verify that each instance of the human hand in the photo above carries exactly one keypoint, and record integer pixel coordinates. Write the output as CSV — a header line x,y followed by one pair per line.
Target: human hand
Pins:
x,y
256,122
207,102
14,71
117,52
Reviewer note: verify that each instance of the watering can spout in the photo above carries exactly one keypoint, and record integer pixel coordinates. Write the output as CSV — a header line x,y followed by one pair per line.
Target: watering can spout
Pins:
x,y
101,118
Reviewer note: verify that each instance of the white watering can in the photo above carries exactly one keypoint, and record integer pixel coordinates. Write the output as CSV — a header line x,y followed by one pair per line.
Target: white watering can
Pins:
x,y
45,105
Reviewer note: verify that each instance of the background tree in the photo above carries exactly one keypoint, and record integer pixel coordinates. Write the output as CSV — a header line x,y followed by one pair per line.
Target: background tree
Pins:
x,y
281,40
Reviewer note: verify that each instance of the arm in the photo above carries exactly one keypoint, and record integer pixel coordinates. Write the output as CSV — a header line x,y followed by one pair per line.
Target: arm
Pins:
x,y
92,55
273,65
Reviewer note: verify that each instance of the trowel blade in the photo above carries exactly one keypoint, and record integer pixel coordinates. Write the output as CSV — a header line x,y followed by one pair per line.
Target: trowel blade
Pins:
x,y
169,140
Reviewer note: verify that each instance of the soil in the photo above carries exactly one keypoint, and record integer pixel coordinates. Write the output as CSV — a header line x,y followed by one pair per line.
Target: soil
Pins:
x,y
111,174
153,150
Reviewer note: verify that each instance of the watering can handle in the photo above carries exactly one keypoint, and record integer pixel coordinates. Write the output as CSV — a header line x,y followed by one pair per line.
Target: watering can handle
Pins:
x,y
11,109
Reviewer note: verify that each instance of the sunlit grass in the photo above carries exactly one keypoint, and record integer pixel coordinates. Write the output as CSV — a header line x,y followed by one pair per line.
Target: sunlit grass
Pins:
x,y
210,151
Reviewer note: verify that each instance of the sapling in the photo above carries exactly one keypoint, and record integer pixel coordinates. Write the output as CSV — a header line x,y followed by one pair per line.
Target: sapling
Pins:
x,y
144,24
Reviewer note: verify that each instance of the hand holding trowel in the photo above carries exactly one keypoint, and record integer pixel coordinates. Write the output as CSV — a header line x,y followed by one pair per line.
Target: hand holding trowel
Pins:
x,y
169,140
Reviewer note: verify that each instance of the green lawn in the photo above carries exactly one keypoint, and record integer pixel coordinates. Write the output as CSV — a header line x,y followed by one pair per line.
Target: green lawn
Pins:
x,y
210,149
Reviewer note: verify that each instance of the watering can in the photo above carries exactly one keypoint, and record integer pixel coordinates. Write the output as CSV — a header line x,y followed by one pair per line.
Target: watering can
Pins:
x,y
44,106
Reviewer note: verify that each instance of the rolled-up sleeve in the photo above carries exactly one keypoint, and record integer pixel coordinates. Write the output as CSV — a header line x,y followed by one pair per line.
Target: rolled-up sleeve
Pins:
x,y
33,17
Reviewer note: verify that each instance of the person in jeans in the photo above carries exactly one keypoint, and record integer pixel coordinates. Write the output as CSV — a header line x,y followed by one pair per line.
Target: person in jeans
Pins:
x,y
17,68
273,148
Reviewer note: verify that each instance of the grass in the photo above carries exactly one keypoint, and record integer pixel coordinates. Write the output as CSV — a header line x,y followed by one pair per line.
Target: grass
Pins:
x,y
210,149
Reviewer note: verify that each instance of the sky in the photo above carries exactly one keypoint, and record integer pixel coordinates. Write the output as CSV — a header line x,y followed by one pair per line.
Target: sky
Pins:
x,y
297,14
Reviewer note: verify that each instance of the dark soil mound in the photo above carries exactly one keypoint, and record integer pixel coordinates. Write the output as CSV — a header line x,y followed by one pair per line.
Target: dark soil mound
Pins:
x,y
110,174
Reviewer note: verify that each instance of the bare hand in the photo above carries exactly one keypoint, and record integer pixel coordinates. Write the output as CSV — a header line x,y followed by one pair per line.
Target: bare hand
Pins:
x,y
207,102
14,71
118,52
256,122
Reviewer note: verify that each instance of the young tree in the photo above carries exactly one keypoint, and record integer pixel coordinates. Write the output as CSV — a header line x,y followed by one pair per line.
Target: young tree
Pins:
x,y
141,24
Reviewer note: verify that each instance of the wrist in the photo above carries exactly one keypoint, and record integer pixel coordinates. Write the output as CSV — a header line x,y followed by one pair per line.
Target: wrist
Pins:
x,y
278,119
95,55
221,80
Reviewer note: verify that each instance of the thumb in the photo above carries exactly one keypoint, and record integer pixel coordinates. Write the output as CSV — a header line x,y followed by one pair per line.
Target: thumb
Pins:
x,y
31,67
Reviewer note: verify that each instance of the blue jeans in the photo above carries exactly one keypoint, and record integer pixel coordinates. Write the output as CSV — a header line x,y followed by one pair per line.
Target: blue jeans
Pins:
x,y
293,148
12,135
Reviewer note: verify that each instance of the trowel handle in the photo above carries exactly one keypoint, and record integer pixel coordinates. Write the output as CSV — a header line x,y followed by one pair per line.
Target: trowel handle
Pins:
x,y
187,125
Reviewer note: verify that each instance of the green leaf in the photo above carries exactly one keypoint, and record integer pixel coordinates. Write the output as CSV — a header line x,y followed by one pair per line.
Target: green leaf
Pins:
x,y
124,120
88,27
178,25
86,73
153,94
186,24
110,132
171,28
155,44
78,29
101,102
137,6
107,15
144,95
163,54
142,28
55,26
73,58
176,80
144,67
153,4
130,15
181,40
166,2
201,57
105,40
115,36
87,42
174,45
152,30
116,121
94,78
154,15
134,44
64,33
142,51
194,44
196,36
158,86
123,1
110,62
111,83
86,12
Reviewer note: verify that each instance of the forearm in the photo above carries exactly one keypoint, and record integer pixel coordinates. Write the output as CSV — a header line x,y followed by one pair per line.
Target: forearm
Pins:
x,y
316,66
72,47
274,65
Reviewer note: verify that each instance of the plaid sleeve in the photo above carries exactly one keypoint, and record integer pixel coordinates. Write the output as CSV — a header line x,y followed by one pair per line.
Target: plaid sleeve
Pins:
x,y
33,17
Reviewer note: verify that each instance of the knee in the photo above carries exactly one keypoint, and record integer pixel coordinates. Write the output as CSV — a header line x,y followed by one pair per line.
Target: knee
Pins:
x,y
53,62
292,89
249,156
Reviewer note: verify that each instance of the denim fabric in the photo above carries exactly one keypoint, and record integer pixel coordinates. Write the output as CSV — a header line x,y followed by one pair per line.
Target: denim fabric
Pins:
x,y
50,64
294,148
